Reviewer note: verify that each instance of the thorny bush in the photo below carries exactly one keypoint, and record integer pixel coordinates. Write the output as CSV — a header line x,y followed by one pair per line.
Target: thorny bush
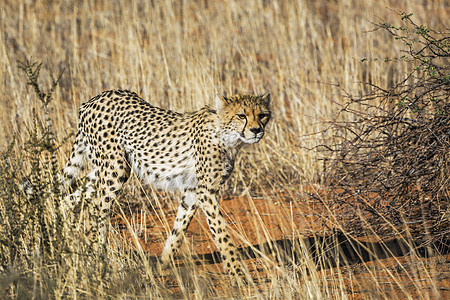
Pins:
x,y
389,166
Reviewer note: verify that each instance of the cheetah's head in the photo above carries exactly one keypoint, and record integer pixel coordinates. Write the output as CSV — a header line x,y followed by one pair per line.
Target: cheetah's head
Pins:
x,y
244,116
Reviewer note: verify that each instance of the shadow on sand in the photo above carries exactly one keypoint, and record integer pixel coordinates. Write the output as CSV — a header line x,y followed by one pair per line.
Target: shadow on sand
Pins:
x,y
331,251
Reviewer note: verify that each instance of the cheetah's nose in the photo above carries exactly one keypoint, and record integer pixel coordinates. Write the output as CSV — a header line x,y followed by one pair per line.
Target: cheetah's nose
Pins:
x,y
256,130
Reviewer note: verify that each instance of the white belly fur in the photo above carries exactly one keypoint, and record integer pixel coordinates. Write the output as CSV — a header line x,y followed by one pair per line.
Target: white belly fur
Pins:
x,y
180,177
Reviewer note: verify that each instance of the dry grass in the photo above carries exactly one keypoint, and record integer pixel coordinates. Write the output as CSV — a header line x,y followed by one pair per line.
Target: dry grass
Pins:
x,y
178,56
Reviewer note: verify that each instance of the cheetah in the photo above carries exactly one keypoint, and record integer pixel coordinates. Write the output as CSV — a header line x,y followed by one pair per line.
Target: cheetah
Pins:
x,y
192,152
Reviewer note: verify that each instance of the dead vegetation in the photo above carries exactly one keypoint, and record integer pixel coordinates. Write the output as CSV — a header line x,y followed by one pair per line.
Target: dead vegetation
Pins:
x,y
390,152
386,158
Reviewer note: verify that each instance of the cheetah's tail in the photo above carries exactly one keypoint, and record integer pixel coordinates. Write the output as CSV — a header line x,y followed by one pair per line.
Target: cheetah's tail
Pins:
x,y
76,164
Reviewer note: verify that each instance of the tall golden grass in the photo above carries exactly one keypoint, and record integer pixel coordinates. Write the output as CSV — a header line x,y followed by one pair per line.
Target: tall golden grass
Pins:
x,y
178,55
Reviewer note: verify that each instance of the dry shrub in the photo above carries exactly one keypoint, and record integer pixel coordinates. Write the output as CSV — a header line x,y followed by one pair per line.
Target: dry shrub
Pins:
x,y
178,55
390,159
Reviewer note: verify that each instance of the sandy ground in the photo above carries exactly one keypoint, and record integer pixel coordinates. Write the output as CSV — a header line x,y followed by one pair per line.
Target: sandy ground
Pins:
x,y
283,216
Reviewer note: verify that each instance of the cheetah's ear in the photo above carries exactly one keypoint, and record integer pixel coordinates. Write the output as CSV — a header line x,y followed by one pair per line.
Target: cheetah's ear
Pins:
x,y
221,102
265,98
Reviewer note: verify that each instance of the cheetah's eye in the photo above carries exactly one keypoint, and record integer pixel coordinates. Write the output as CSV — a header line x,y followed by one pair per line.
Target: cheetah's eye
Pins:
x,y
263,116
241,116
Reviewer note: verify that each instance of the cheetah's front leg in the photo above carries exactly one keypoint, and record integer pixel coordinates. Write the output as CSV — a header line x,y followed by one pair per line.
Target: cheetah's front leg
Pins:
x,y
186,211
217,225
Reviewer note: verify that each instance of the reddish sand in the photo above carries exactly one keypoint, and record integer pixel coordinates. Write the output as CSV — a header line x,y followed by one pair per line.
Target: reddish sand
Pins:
x,y
285,215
